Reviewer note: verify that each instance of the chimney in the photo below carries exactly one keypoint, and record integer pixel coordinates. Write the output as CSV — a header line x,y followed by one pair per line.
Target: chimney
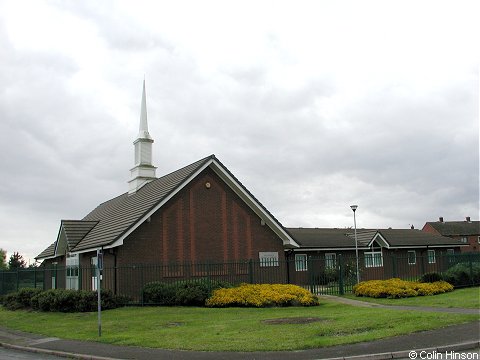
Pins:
x,y
468,219
440,219
412,227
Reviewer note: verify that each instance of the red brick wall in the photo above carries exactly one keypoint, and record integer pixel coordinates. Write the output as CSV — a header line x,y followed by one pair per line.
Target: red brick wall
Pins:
x,y
200,224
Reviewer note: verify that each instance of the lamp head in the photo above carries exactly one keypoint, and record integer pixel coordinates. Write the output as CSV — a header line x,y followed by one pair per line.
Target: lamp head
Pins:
x,y
354,207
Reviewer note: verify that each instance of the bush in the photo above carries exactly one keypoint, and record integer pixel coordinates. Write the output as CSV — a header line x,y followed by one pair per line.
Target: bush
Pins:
x,y
61,300
262,295
396,288
431,277
185,293
20,299
463,275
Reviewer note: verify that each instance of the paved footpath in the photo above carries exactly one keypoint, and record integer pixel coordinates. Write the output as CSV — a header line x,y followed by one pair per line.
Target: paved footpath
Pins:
x,y
435,344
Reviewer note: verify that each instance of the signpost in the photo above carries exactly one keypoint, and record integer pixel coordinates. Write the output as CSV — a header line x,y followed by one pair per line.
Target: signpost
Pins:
x,y
99,298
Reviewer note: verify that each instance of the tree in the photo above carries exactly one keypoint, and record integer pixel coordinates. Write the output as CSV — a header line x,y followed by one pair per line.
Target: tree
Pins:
x,y
3,259
16,261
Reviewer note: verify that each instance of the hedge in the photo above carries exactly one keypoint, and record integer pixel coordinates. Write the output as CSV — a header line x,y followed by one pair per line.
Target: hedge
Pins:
x,y
60,300
262,295
396,288
183,293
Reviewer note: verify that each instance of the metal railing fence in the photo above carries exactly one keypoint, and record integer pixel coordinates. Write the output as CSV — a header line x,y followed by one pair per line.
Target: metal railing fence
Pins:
x,y
320,275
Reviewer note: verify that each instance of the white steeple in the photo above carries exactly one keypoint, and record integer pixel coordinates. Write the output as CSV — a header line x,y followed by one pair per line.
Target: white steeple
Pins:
x,y
144,171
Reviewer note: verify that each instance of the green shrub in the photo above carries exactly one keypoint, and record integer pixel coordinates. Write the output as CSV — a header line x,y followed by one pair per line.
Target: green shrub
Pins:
x,y
431,277
185,293
462,274
62,300
397,288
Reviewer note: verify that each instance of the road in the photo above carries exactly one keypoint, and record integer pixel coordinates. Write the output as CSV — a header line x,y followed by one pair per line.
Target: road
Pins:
x,y
9,354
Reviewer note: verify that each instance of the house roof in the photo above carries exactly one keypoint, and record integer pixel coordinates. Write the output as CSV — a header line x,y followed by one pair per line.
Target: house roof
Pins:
x,y
328,238
411,238
75,230
342,239
452,228
49,252
115,219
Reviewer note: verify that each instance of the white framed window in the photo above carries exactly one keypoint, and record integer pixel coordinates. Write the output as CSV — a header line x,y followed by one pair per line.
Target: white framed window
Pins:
x,y
412,257
479,239
94,273
464,239
72,270
373,258
450,252
431,257
268,258
330,260
301,262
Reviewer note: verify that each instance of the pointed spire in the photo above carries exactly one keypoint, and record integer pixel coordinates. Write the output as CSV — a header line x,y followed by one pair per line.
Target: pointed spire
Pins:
x,y
143,130
144,171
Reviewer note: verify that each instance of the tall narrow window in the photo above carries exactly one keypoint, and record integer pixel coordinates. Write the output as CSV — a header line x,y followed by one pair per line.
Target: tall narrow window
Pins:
x,y
431,257
330,260
72,270
300,262
412,257
94,273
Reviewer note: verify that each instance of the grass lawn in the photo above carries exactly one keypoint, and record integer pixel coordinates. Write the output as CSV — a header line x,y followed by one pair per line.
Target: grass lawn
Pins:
x,y
460,298
232,329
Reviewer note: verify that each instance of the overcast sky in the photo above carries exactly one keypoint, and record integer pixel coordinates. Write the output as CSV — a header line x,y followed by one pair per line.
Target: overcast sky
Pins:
x,y
313,105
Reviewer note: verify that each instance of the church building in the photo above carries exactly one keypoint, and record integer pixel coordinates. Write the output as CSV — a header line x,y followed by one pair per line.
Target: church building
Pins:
x,y
199,213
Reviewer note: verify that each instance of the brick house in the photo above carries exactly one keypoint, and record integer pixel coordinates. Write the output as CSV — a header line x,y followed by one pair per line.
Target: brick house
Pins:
x,y
468,232
383,253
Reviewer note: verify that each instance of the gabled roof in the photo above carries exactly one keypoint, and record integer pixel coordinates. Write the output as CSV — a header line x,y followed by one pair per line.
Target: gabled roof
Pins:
x,y
48,253
452,228
328,238
412,238
343,239
75,230
120,216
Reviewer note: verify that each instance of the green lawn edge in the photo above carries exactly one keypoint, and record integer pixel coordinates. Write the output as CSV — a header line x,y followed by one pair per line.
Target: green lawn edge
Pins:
x,y
231,329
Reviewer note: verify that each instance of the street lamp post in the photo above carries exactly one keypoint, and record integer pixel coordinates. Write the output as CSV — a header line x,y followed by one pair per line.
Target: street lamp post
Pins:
x,y
354,208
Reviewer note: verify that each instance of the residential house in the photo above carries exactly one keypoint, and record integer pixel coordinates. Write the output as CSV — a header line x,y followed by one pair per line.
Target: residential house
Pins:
x,y
468,232
382,253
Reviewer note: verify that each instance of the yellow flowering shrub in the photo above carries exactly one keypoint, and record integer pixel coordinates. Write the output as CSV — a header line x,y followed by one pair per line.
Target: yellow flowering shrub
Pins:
x,y
396,288
262,295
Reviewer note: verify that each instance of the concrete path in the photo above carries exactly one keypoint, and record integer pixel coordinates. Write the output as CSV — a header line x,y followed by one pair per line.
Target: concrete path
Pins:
x,y
400,307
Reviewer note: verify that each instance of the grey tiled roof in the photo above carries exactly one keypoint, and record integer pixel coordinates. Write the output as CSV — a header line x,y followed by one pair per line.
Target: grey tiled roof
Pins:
x,y
344,238
75,230
414,237
452,228
330,238
117,216
48,252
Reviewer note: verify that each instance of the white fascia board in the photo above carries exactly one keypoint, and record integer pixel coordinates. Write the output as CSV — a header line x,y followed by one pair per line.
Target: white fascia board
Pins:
x,y
253,204
327,249
119,241
426,246
382,239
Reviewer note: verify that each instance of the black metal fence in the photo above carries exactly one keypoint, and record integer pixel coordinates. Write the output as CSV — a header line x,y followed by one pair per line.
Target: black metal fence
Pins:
x,y
333,275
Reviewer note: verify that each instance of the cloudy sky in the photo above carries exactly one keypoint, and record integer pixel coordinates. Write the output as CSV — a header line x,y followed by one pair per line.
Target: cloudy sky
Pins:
x,y
313,105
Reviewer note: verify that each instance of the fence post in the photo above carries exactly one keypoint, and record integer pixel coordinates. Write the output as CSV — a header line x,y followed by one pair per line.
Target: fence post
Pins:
x,y
394,265
341,288
470,265
250,271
